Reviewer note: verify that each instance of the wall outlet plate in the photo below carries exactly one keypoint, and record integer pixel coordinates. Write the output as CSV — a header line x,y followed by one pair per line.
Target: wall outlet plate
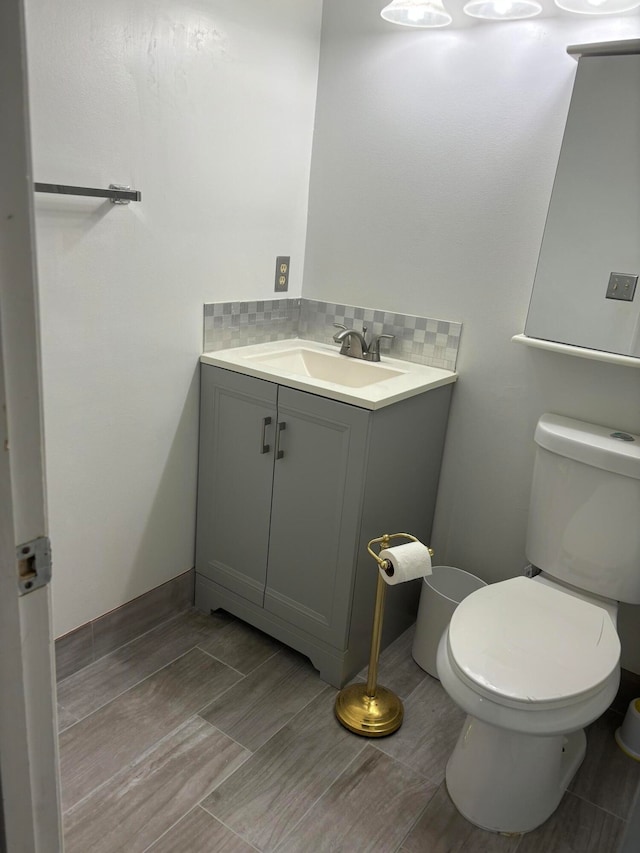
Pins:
x,y
622,286
282,273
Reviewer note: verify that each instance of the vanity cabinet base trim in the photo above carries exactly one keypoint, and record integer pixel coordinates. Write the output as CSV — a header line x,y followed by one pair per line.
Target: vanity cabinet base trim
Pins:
x,y
335,666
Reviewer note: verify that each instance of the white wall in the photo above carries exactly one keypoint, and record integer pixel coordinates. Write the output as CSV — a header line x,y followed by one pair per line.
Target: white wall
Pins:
x,y
207,107
433,161
432,169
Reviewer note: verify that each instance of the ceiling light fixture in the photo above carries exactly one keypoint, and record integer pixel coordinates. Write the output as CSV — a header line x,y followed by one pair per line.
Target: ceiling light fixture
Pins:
x,y
509,10
417,13
597,7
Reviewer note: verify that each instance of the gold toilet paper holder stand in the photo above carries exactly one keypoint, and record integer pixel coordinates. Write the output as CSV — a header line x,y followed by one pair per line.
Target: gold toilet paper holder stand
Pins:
x,y
370,709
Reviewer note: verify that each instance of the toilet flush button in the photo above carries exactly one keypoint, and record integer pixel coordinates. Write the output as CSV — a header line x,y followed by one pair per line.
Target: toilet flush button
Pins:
x,y
622,436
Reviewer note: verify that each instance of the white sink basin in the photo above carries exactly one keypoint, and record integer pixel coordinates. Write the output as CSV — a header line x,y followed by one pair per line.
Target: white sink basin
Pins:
x,y
320,369
327,366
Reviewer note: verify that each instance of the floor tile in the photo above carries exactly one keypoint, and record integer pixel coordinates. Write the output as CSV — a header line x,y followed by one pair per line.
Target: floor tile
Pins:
x,y
102,681
142,614
268,795
73,651
576,827
99,746
442,829
142,758
607,777
138,805
241,646
350,817
198,832
397,670
631,835
65,718
255,708
429,732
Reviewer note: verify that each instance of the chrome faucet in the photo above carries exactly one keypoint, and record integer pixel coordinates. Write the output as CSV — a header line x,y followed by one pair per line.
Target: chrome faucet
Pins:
x,y
354,344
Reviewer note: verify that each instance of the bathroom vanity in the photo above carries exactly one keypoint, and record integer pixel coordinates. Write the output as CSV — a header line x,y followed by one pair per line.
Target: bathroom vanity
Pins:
x,y
296,474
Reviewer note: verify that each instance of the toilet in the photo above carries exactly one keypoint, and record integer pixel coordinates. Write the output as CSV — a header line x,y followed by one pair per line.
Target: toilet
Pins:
x,y
532,661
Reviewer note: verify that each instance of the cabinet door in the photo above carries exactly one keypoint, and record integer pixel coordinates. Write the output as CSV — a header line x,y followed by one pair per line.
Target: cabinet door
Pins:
x,y
316,507
235,480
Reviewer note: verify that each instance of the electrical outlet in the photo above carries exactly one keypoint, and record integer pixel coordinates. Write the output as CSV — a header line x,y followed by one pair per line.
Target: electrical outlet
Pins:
x,y
282,273
622,286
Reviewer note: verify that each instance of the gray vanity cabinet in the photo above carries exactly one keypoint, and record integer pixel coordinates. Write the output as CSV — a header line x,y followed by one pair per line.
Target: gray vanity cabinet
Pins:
x,y
279,496
291,487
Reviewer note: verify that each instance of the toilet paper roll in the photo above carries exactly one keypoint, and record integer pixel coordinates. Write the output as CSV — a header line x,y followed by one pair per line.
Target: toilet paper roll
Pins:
x,y
407,562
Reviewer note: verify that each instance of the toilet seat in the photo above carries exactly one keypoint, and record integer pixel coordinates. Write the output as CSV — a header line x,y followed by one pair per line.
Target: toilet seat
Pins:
x,y
528,645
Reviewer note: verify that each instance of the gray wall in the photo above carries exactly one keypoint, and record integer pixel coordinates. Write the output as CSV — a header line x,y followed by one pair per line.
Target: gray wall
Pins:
x,y
433,161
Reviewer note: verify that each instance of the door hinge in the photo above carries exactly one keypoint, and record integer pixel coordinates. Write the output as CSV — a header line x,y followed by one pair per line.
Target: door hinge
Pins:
x,y
34,564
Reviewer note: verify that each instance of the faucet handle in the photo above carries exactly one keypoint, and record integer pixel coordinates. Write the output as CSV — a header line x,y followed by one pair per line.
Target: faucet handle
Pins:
x,y
342,329
374,346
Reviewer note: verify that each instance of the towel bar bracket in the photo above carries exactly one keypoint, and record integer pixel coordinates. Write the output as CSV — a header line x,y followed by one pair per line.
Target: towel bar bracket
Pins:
x,y
121,199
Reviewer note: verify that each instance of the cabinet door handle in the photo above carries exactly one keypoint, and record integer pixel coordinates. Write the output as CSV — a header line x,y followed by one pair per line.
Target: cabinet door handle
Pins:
x,y
264,447
279,428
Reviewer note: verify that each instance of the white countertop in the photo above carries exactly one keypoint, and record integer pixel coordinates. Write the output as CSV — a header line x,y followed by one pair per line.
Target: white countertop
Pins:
x,y
411,378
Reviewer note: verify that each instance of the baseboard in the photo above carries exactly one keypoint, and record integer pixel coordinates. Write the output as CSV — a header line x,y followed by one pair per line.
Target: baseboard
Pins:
x,y
94,639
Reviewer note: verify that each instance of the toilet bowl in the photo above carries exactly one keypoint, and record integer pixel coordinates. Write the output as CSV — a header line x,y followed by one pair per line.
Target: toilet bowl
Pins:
x,y
531,664
534,660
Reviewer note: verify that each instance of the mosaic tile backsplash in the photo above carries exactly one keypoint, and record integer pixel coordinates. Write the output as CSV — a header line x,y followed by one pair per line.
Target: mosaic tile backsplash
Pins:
x,y
238,324
419,339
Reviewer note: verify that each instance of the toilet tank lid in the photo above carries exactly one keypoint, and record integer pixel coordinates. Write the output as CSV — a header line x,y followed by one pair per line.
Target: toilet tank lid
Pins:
x,y
599,446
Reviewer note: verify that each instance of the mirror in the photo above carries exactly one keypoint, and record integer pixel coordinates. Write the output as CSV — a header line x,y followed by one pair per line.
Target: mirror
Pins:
x,y
584,291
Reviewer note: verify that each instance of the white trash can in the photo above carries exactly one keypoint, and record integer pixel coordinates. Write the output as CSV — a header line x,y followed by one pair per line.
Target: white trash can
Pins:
x,y
441,593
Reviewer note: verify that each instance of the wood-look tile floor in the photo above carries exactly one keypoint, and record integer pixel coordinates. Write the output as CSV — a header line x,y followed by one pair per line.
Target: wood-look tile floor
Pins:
x,y
206,735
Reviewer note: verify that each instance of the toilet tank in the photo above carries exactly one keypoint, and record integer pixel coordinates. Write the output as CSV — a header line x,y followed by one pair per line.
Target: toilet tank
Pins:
x,y
584,516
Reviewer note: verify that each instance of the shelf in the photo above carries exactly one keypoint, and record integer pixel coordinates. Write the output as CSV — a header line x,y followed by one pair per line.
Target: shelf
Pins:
x,y
579,352
605,48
